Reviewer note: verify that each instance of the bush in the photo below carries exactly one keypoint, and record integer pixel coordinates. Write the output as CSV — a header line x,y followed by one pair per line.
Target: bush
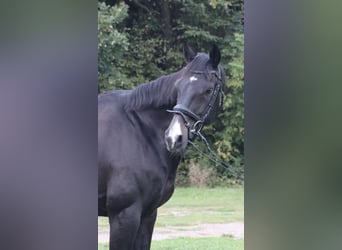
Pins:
x,y
199,177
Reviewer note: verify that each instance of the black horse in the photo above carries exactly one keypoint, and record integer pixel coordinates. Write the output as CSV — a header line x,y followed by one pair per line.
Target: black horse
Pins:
x,y
142,134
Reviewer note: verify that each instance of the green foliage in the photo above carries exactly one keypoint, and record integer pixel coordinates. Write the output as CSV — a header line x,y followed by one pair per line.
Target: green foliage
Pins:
x,y
111,45
142,40
229,141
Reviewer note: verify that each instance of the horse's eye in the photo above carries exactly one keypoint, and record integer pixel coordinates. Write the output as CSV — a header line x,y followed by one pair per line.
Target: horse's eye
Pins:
x,y
208,91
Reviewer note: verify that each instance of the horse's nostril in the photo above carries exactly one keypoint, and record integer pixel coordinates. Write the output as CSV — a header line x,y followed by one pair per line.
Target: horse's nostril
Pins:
x,y
179,139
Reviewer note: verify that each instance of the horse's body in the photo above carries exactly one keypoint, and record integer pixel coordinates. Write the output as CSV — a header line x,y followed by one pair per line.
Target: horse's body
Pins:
x,y
138,153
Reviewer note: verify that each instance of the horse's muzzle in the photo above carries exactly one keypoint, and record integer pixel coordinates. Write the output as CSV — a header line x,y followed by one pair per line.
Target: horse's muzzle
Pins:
x,y
176,135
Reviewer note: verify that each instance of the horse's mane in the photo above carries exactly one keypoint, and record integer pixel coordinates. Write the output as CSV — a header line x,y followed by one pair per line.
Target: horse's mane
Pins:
x,y
159,93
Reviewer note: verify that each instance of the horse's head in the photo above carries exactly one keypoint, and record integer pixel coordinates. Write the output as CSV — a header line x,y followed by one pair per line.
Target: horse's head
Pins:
x,y
198,97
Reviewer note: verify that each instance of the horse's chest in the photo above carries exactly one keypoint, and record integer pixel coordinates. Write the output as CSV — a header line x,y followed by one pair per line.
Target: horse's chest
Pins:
x,y
161,192
167,191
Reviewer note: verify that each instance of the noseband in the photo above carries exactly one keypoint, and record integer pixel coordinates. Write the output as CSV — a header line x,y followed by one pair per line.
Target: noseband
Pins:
x,y
199,120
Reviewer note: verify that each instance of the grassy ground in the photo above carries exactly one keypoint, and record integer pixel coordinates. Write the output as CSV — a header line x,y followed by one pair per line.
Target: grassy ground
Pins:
x,y
221,243
193,206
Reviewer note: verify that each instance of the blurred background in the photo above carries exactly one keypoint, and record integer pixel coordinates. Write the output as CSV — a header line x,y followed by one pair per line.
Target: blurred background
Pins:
x,y
292,125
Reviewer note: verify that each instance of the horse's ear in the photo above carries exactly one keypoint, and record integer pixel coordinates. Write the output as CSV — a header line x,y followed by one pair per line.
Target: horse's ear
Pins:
x,y
189,54
215,56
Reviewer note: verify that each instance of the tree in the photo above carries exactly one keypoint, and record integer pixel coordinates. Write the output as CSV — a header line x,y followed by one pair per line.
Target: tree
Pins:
x,y
111,46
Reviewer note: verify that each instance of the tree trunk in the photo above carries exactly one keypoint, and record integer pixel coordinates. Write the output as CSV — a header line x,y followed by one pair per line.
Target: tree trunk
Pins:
x,y
166,19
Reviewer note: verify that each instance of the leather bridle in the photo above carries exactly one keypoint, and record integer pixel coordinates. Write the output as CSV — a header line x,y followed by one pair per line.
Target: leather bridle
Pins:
x,y
199,119
195,128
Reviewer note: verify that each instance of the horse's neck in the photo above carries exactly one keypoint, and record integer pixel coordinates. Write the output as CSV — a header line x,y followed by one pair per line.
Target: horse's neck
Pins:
x,y
165,96
157,94
156,119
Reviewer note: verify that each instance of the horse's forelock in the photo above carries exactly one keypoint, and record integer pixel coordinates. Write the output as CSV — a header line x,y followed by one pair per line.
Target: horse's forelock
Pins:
x,y
201,63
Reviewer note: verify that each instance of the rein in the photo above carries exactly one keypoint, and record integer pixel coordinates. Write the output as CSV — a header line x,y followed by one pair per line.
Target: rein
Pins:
x,y
211,156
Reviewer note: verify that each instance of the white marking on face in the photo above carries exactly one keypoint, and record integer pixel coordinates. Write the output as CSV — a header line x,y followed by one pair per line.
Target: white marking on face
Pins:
x,y
175,130
193,78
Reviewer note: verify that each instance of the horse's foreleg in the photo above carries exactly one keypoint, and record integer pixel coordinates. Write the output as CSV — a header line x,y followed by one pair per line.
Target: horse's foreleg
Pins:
x,y
124,227
144,235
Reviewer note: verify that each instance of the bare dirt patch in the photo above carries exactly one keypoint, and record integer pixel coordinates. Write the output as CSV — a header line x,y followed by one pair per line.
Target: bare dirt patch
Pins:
x,y
233,229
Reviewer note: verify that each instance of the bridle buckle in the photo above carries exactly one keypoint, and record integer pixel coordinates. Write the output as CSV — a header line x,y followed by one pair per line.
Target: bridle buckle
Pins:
x,y
196,127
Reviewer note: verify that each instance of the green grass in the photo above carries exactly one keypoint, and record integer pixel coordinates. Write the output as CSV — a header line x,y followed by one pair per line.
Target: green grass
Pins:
x,y
103,246
191,206
102,222
221,243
